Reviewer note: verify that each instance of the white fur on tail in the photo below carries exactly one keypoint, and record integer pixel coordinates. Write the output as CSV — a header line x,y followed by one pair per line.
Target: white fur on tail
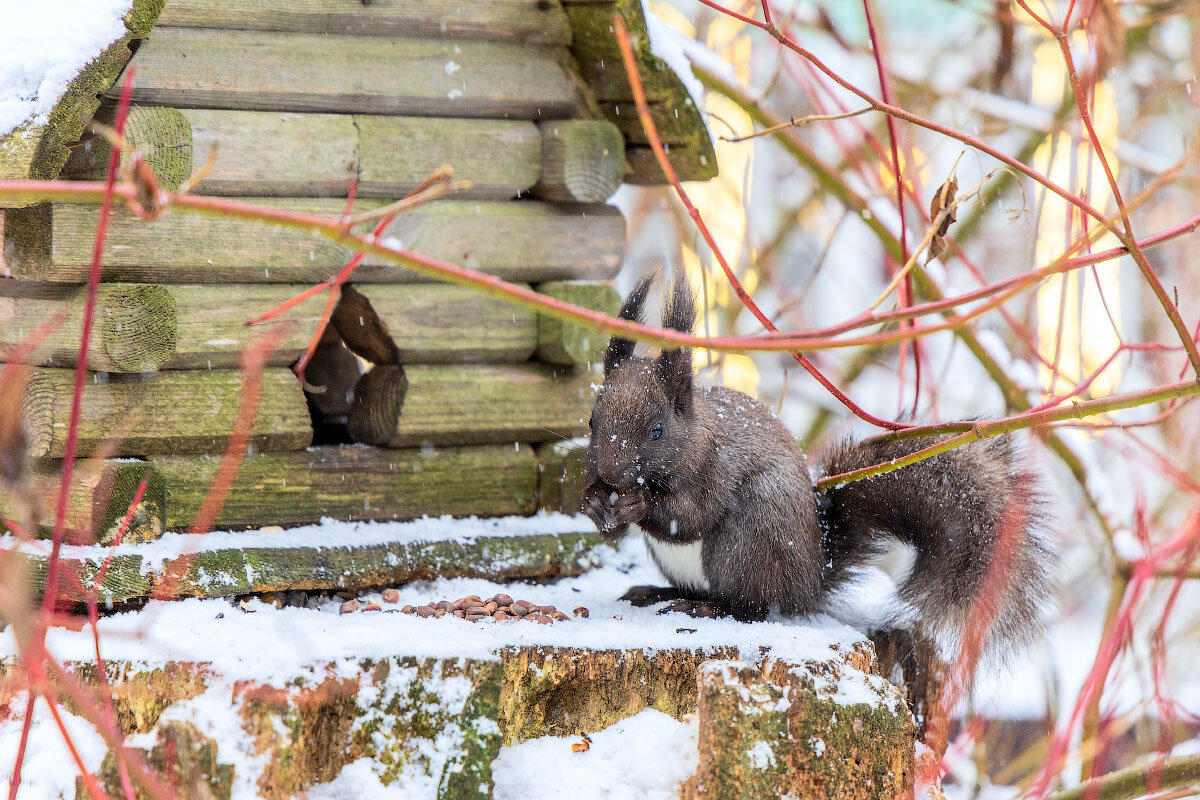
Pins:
x,y
680,563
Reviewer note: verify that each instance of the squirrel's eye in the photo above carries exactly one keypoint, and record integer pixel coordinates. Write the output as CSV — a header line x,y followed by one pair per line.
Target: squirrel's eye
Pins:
x,y
656,431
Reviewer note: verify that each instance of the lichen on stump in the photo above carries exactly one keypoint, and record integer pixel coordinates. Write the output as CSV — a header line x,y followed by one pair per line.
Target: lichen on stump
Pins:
x,y
816,730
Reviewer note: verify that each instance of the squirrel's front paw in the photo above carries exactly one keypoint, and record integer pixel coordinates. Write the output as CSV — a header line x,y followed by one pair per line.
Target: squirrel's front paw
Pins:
x,y
598,506
631,507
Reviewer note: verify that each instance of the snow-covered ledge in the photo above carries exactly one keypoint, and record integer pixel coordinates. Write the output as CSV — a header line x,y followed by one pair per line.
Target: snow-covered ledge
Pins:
x,y
259,701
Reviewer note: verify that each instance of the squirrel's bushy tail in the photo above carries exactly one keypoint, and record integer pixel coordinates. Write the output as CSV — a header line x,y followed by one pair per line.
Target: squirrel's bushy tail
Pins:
x,y
974,520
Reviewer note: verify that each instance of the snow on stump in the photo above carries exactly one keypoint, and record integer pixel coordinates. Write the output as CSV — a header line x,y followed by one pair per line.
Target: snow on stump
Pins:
x,y
818,730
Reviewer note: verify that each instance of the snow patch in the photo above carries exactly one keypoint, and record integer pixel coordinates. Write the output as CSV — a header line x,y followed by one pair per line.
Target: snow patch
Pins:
x,y
645,756
43,46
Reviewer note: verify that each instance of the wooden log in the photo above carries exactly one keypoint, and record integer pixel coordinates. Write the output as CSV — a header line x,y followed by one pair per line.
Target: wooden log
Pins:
x,y
243,567
170,412
433,324
528,20
273,153
674,111
100,495
560,476
501,158
583,161
39,148
355,483
565,342
162,135
526,241
205,68
415,405
134,324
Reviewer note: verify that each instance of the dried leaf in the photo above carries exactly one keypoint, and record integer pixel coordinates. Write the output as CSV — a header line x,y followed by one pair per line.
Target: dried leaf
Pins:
x,y
582,746
1106,29
943,199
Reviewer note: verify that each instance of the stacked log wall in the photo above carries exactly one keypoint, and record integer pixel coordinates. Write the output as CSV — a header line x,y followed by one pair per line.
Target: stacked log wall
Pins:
x,y
451,395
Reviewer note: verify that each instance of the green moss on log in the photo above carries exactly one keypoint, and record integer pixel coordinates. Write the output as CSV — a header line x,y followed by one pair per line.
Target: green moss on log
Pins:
x,y
562,342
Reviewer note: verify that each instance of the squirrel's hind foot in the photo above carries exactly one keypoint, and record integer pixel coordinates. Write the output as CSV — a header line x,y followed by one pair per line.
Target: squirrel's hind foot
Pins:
x,y
706,609
642,596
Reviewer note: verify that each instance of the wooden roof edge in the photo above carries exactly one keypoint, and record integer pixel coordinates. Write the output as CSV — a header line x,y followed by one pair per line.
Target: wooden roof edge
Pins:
x,y
39,150
676,115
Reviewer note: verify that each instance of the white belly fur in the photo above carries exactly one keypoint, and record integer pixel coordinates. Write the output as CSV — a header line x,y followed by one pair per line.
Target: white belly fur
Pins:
x,y
680,563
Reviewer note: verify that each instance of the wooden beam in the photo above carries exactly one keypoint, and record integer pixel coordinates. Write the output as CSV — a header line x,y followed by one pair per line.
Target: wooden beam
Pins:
x,y
134,331
524,241
100,495
565,342
582,161
171,412
560,476
39,148
415,405
244,568
434,324
501,158
162,135
540,21
355,483
284,154
205,68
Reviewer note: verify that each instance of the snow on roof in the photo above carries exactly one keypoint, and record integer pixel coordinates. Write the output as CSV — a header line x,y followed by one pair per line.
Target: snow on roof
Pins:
x,y
44,46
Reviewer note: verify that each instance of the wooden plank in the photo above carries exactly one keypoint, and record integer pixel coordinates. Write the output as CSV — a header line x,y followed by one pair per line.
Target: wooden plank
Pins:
x,y
435,324
247,569
170,412
415,405
162,135
528,20
274,153
134,324
567,343
39,148
280,153
561,476
583,161
100,495
352,483
204,68
501,158
524,241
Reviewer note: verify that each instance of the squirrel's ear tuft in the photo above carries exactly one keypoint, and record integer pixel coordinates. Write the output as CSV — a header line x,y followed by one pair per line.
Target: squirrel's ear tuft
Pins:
x,y
675,366
620,349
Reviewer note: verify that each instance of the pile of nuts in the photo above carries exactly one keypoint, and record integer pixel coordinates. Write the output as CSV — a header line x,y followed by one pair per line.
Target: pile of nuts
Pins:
x,y
499,607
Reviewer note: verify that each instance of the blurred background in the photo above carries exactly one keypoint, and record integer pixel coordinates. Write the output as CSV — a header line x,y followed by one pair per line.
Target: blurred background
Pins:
x,y
1116,484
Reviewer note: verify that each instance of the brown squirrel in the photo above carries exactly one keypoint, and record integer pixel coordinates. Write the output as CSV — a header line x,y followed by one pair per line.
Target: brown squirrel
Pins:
x,y
733,521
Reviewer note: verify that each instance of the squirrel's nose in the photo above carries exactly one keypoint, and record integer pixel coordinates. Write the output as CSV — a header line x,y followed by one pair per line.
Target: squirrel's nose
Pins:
x,y
618,476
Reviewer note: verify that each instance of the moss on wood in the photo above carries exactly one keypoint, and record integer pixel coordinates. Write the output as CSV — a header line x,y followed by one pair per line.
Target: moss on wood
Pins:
x,y
273,71
583,161
469,404
674,111
168,412
526,241
39,149
562,342
162,135
354,483
134,325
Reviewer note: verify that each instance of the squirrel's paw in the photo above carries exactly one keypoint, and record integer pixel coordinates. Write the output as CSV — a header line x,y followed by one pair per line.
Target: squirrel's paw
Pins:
x,y
697,608
631,507
642,596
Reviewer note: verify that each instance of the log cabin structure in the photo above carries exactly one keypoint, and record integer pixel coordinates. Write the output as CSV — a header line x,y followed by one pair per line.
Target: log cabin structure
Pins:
x,y
458,397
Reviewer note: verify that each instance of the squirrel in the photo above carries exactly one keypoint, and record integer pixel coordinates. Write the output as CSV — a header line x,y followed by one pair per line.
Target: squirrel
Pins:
x,y
733,520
